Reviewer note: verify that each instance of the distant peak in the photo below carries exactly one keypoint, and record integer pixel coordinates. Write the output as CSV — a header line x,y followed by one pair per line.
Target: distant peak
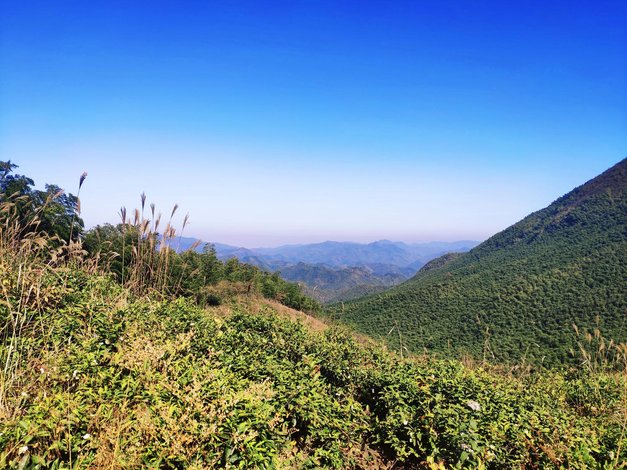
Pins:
x,y
385,241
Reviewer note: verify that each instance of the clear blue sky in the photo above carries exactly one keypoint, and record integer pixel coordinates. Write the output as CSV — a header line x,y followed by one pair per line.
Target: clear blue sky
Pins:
x,y
281,122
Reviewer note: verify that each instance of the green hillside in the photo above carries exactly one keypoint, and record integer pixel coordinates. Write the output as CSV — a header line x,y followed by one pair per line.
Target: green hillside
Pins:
x,y
517,296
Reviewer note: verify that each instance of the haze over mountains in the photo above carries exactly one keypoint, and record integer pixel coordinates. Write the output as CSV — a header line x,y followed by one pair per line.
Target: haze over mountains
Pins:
x,y
523,294
332,271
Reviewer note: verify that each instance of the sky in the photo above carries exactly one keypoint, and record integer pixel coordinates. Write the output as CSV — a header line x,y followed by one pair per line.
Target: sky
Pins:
x,y
304,121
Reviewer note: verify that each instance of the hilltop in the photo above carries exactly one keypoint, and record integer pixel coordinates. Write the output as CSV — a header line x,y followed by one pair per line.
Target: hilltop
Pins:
x,y
525,293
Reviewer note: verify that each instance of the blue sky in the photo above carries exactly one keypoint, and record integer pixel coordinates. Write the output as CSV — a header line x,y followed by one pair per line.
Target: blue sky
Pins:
x,y
284,122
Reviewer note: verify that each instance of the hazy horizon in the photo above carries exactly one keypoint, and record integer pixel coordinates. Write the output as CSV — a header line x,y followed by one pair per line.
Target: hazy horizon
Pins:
x,y
312,241
285,123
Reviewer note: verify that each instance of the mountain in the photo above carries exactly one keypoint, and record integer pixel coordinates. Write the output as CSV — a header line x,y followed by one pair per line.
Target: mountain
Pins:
x,y
186,243
335,271
167,360
328,284
382,252
517,295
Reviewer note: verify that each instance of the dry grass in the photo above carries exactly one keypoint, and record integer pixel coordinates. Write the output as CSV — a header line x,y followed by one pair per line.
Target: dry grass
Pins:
x,y
310,322
147,253
597,353
33,273
24,262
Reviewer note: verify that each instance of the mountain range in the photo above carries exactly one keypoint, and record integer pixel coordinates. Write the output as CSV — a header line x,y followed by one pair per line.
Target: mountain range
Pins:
x,y
542,289
333,271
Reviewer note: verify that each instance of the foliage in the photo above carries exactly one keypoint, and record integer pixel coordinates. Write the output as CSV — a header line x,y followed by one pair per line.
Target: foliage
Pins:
x,y
153,265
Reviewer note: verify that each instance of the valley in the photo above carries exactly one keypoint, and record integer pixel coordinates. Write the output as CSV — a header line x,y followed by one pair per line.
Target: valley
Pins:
x,y
338,271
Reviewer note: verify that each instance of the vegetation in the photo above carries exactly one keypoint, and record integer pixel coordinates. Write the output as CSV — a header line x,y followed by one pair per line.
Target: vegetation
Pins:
x,y
519,296
152,265
104,381
105,364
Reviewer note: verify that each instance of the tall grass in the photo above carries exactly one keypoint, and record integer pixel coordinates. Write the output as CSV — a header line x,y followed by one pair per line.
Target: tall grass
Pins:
x,y
148,254
598,353
28,258
25,257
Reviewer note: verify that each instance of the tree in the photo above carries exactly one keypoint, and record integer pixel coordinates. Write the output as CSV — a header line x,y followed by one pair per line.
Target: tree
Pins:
x,y
52,211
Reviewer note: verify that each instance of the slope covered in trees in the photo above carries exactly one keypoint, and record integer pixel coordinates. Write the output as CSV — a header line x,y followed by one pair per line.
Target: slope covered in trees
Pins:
x,y
528,293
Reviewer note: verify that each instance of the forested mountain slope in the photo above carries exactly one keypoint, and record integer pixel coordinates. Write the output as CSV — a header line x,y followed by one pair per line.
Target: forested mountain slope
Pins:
x,y
518,294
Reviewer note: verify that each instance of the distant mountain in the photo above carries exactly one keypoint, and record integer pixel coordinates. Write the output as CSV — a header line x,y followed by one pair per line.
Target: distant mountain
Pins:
x,y
186,243
517,295
328,284
332,271
383,252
